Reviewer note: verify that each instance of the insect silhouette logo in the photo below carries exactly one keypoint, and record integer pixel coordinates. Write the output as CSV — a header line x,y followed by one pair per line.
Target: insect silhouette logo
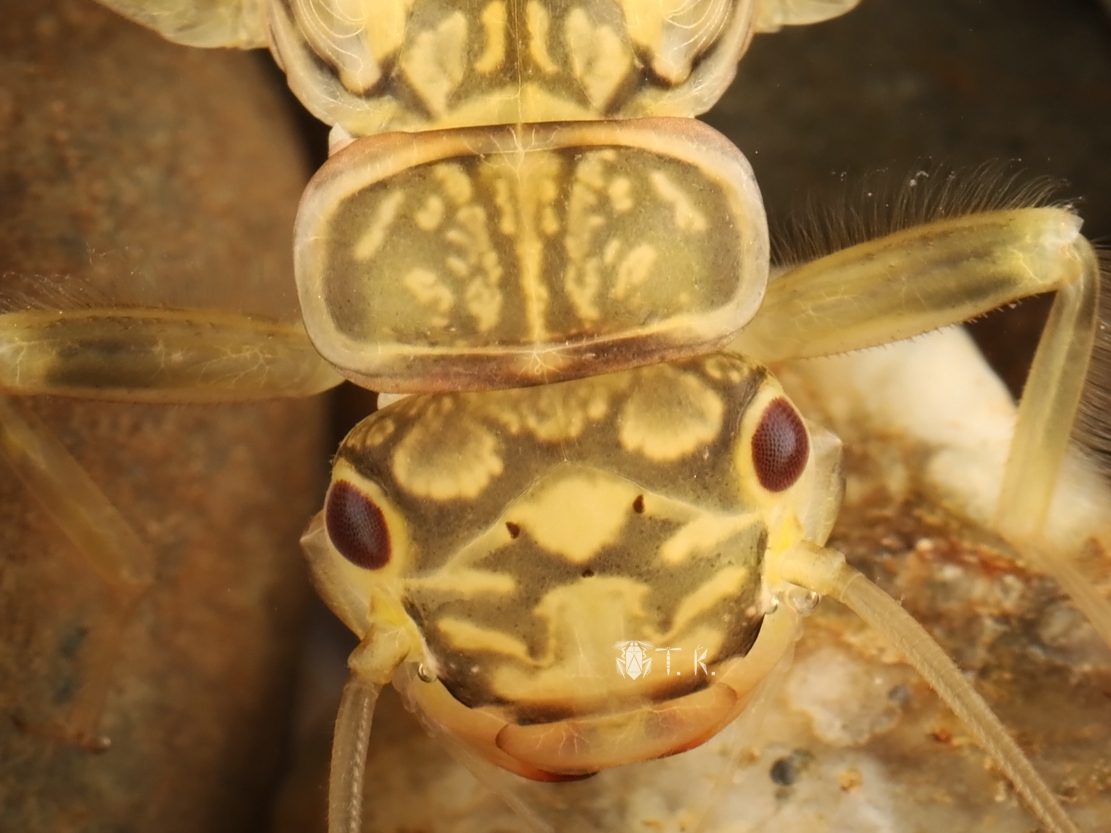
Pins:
x,y
634,659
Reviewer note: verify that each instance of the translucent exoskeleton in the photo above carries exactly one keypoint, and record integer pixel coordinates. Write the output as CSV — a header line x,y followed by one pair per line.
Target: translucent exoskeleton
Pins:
x,y
556,220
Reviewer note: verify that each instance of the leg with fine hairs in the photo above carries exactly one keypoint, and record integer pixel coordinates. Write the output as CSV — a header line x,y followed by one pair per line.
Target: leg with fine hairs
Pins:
x,y
94,526
150,354
914,281
1046,414
824,571
943,273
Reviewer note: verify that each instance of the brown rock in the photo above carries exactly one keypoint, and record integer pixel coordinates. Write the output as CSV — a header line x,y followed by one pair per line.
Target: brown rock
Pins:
x,y
134,171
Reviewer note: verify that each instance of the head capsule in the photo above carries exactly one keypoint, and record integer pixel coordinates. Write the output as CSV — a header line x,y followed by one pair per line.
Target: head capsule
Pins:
x,y
580,566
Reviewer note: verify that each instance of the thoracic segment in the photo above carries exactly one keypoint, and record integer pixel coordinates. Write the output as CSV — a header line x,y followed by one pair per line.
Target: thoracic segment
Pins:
x,y
420,64
500,257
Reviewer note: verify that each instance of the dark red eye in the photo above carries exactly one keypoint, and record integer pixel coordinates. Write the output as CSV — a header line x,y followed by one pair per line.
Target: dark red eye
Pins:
x,y
356,527
779,446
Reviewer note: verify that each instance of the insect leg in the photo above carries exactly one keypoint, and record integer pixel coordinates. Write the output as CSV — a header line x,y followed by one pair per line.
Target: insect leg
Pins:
x,y
942,273
1046,414
914,281
153,354
824,571
136,354
92,523
1049,402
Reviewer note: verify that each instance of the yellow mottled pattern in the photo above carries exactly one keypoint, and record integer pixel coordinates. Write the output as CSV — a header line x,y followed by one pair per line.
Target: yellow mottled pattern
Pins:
x,y
494,27
726,584
539,537
675,31
527,196
435,63
467,636
687,217
378,65
475,462
570,667
600,59
539,23
554,415
521,258
385,215
671,417
431,293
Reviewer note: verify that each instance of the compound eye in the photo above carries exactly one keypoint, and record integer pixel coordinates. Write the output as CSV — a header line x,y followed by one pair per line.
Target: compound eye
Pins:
x,y
780,446
356,526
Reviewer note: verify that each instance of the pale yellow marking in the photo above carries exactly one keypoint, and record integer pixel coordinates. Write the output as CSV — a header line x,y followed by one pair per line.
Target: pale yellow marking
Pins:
x,y
727,583
611,251
670,415
383,25
578,515
549,219
465,584
359,76
585,620
338,32
457,266
532,181
582,278
483,302
634,269
599,58
645,21
687,217
446,455
507,210
435,63
537,189
726,368
380,431
592,168
582,284
493,21
470,232
469,637
555,414
702,537
620,192
674,32
431,213
385,213
479,265
429,291
538,25
455,182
